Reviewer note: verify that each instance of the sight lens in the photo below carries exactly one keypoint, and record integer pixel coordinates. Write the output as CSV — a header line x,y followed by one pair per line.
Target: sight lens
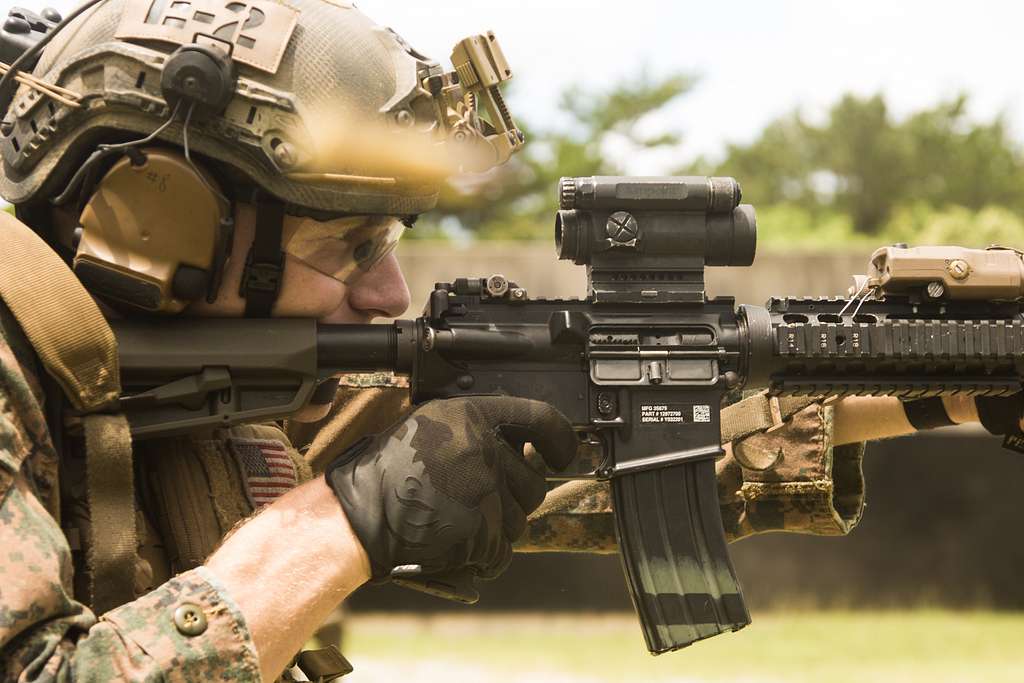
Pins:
x,y
731,237
567,236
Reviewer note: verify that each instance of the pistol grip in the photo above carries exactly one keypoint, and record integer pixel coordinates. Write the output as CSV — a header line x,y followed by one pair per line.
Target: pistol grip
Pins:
x,y
457,586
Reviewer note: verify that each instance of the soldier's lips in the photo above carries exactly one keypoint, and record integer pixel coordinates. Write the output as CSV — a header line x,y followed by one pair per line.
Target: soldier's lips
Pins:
x,y
345,314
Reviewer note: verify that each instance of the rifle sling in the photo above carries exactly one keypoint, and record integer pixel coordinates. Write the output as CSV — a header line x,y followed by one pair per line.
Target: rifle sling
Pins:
x,y
78,349
759,413
110,491
59,318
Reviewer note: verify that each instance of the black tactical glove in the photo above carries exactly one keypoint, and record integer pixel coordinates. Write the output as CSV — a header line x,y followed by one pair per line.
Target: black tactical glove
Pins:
x,y
447,489
1001,414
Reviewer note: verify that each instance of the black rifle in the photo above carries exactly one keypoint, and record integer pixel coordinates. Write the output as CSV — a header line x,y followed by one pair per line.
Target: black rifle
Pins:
x,y
640,366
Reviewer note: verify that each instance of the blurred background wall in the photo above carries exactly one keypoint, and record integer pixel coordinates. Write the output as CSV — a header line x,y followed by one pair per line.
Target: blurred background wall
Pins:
x,y
534,266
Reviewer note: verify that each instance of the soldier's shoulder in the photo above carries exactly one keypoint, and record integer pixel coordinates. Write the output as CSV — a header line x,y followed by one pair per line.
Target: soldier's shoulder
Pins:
x,y
18,355
23,428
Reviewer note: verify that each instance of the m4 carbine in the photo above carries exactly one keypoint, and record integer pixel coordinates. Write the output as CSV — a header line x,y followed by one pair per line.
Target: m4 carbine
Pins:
x,y
639,366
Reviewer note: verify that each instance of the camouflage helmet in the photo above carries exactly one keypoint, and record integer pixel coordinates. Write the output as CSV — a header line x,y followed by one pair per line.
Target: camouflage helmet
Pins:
x,y
295,63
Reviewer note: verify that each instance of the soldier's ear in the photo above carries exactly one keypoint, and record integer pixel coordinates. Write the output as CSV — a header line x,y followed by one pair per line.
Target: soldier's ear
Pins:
x,y
154,234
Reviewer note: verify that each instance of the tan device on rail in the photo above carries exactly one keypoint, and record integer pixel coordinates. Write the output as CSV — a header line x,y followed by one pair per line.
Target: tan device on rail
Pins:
x,y
953,273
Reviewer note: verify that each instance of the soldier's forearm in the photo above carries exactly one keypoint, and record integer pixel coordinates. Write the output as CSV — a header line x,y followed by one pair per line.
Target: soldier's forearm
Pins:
x,y
288,567
865,418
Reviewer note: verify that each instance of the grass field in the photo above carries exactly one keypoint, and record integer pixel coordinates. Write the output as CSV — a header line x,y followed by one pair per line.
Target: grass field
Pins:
x,y
833,647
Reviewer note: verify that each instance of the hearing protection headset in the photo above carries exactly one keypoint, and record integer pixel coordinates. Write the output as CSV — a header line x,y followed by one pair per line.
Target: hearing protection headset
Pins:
x,y
154,234
156,231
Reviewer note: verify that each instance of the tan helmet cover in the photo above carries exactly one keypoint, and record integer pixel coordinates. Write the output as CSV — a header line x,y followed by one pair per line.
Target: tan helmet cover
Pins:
x,y
298,62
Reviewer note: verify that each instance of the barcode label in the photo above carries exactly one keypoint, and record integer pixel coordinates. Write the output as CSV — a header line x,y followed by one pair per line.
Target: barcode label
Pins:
x,y
674,413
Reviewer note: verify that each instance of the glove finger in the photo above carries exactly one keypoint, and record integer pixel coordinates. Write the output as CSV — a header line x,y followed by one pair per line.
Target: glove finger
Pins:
x,y
522,420
513,517
526,486
482,544
500,561
534,459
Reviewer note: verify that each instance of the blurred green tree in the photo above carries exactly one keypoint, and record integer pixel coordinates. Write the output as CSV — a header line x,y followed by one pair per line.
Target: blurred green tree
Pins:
x,y
862,163
517,200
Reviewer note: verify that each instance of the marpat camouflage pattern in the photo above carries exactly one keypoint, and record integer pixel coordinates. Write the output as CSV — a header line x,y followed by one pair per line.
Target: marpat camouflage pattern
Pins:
x,y
187,630
812,488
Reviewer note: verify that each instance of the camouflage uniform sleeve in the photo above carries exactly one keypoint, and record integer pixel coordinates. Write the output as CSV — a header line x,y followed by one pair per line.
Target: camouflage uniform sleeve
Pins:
x,y
45,635
810,487
365,403
186,630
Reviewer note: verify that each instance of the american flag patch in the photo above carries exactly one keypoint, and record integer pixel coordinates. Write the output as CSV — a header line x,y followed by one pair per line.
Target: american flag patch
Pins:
x,y
266,468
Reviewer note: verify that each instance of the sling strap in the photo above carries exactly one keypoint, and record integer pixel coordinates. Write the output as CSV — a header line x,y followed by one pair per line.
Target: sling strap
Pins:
x,y
78,349
760,413
110,490
59,318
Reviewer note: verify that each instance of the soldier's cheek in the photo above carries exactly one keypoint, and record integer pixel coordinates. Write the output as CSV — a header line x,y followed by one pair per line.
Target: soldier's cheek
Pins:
x,y
307,293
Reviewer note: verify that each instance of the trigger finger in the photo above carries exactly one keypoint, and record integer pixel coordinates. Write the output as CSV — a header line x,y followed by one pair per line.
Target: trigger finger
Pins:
x,y
527,486
534,460
521,420
499,563
513,518
552,436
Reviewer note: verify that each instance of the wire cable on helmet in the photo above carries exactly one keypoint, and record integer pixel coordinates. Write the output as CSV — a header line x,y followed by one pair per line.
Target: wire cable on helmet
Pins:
x,y
104,151
149,138
188,156
27,55
71,190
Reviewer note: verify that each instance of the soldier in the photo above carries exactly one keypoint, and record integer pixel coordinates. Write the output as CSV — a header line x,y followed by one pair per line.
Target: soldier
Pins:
x,y
172,153
168,152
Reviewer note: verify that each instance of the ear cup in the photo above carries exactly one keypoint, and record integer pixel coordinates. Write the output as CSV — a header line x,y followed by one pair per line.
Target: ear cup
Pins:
x,y
150,233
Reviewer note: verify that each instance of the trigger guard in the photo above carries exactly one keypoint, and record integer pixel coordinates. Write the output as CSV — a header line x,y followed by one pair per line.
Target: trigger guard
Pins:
x,y
455,586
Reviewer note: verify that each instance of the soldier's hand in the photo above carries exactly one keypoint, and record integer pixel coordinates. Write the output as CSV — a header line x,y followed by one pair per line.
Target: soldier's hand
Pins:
x,y
447,488
1001,415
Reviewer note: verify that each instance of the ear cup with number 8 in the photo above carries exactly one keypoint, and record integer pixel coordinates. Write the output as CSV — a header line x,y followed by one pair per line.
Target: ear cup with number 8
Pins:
x,y
151,233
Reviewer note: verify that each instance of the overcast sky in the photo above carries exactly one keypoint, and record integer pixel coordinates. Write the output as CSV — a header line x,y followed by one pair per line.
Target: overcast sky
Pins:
x,y
756,59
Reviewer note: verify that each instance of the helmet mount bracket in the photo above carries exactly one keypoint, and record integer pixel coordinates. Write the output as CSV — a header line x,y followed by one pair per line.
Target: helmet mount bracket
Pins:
x,y
199,81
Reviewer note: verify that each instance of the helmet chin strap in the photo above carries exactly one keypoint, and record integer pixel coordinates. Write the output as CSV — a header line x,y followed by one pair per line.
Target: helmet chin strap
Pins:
x,y
264,265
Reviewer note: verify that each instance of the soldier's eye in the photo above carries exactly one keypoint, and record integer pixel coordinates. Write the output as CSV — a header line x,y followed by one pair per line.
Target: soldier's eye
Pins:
x,y
363,252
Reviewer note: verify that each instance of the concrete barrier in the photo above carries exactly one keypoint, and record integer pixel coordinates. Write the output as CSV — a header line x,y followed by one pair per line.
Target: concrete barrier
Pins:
x,y
535,267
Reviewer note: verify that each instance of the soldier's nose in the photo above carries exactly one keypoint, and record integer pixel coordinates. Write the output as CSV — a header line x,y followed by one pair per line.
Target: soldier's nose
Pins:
x,y
382,291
